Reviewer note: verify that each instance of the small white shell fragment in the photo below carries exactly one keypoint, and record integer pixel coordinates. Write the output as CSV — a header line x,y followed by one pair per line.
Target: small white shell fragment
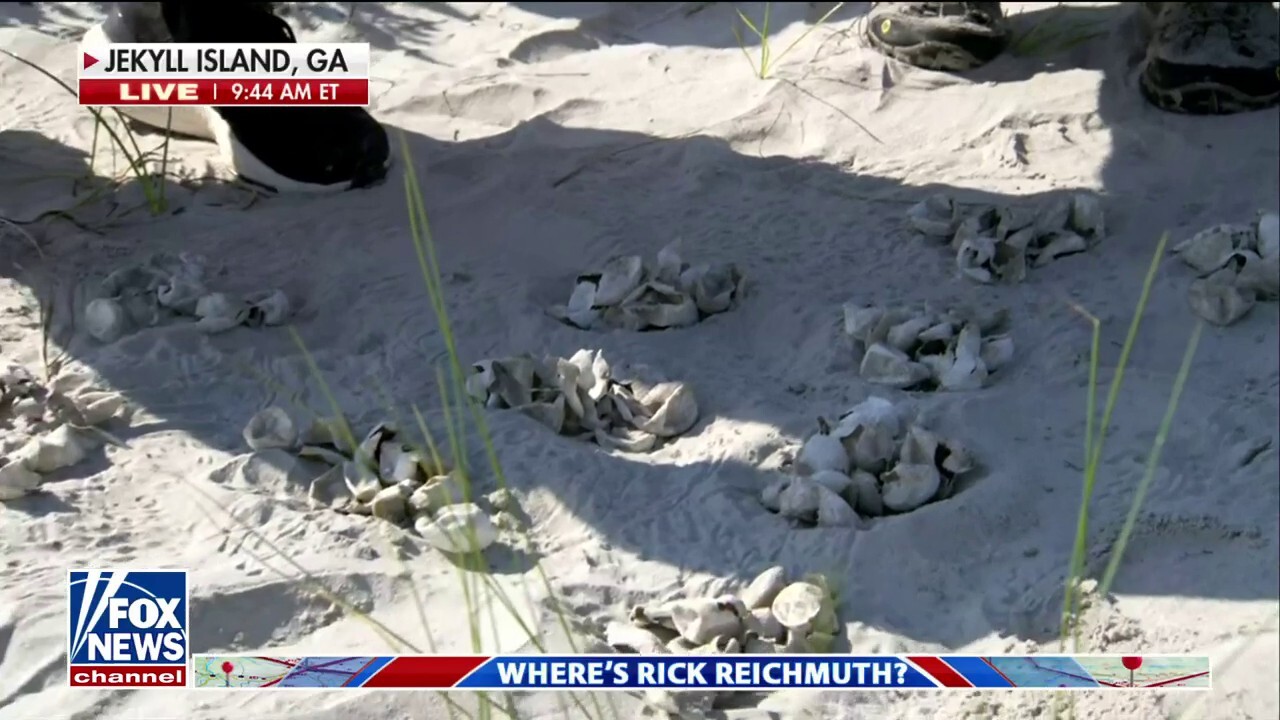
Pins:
x,y
771,496
1087,216
974,258
800,500
618,278
435,493
1060,245
105,320
268,307
17,480
397,463
868,501
625,636
361,481
27,407
764,623
833,510
583,298
934,217
217,305
874,411
958,460
888,366
966,370
823,451
1268,243
1209,249
389,504
625,439
997,352
1219,301
905,335
1257,274
699,621
907,487
920,447
218,312
654,614
715,289
835,481
270,428
463,527
17,381
859,320
798,605
871,446
761,591
669,264
57,449
99,407
675,410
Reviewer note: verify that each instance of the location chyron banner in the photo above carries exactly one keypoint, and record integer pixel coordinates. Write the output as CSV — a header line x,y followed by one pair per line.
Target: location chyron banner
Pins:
x,y
705,672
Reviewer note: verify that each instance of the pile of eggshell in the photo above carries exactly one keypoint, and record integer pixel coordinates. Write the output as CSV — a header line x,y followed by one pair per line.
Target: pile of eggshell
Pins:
x,y
872,461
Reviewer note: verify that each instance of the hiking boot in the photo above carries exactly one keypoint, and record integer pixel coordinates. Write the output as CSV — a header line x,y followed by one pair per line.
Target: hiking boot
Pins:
x,y
1213,58
300,149
938,35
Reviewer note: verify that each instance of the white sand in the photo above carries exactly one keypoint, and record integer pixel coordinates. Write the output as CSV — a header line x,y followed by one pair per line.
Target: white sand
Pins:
x,y
551,136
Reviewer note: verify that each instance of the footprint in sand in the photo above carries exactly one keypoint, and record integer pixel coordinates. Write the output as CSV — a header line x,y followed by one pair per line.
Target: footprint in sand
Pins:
x,y
282,611
552,45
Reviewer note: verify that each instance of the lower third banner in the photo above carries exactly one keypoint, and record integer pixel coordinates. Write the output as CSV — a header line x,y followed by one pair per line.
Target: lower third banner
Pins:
x,y
703,672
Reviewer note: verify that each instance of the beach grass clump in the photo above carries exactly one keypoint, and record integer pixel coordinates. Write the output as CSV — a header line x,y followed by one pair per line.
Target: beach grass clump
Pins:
x,y
768,59
123,140
1096,430
487,600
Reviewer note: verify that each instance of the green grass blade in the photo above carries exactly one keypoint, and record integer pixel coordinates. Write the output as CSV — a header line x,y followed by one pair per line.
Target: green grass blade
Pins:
x,y
746,53
821,21
1071,609
1153,461
747,21
456,404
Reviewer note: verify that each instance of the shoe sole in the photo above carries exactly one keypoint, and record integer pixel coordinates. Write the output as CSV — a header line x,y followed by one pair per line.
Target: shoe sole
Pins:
x,y
1203,98
944,57
204,123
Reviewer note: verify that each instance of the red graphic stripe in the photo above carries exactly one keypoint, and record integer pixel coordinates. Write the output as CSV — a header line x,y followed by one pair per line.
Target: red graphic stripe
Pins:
x,y
999,672
424,672
1171,681
942,672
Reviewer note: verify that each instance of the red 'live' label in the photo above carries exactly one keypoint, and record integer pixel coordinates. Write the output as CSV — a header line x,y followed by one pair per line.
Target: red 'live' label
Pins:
x,y
222,91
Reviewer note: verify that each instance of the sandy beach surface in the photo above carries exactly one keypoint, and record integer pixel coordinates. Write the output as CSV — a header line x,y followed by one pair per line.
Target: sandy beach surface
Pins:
x,y
550,137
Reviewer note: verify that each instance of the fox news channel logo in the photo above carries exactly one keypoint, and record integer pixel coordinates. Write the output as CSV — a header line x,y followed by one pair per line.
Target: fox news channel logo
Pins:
x,y
127,628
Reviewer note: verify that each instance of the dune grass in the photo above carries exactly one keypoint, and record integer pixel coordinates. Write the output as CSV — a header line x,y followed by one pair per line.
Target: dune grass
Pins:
x,y
1096,433
463,421
151,181
768,59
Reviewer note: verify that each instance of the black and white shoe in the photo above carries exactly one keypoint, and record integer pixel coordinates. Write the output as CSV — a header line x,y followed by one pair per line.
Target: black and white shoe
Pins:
x,y
1212,58
298,149
948,36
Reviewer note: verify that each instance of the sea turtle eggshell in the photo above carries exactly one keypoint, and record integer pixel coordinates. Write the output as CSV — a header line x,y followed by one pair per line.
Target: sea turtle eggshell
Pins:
x,y
105,319
907,487
823,452
798,605
761,591
463,527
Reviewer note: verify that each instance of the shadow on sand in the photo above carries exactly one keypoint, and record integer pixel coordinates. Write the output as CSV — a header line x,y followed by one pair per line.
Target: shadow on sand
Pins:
x,y
364,314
